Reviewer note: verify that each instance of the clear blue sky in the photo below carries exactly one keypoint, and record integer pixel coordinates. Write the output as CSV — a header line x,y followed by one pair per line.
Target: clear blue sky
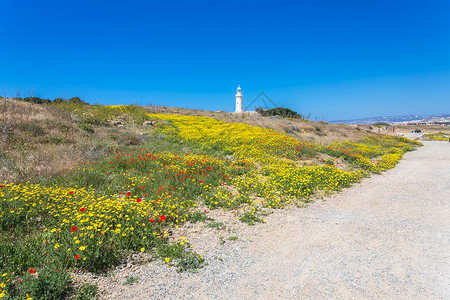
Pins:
x,y
331,59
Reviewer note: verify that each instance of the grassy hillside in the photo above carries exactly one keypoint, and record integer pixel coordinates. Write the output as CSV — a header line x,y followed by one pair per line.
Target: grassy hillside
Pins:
x,y
84,186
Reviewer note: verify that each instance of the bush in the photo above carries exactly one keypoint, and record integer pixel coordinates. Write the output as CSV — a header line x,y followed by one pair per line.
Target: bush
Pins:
x,y
320,133
77,100
37,100
380,124
58,100
33,129
87,128
259,110
49,284
182,255
86,292
282,112
130,140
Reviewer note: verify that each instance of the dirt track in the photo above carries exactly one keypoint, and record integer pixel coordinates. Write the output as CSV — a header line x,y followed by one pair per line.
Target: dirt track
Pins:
x,y
388,237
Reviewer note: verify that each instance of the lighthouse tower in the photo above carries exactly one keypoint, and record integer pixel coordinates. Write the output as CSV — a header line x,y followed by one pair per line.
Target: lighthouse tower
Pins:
x,y
239,108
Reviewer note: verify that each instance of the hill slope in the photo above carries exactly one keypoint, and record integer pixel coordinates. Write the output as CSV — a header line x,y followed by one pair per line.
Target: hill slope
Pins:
x,y
91,186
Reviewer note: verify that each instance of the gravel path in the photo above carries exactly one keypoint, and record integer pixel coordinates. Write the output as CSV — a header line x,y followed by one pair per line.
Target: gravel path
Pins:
x,y
388,237
412,136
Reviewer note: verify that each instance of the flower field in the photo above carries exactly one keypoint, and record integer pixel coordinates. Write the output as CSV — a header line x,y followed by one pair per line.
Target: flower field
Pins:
x,y
91,216
437,136
275,174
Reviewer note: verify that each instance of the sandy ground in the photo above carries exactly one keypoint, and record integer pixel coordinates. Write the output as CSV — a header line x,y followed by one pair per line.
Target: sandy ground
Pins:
x,y
386,238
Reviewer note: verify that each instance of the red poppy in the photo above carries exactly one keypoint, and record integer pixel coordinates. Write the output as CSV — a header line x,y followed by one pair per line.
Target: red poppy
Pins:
x,y
141,187
162,218
71,192
1,185
82,209
77,256
19,280
128,194
138,200
201,181
151,220
32,271
74,228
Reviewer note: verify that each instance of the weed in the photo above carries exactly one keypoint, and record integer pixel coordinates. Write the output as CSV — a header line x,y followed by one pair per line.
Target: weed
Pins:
x,y
217,225
190,262
33,129
53,140
87,128
250,218
48,284
130,140
86,292
198,217
130,280
329,162
183,256
320,133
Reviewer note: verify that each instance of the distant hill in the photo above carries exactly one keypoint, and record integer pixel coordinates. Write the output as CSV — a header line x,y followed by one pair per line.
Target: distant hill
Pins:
x,y
397,119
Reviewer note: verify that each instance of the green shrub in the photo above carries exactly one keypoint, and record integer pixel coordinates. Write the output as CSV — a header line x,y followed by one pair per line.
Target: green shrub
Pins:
x,y
198,217
185,259
217,225
130,280
190,262
282,112
48,284
379,124
250,218
329,162
320,133
87,128
77,100
86,292
53,140
36,100
33,129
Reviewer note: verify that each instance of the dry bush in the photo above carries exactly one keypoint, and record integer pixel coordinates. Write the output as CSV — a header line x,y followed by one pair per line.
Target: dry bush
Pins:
x,y
35,141
42,161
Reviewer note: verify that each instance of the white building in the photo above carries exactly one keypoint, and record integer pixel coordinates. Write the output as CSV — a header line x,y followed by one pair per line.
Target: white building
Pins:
x,y
239,108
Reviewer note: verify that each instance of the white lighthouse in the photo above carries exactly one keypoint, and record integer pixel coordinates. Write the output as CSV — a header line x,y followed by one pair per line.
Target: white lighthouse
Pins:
x,y
239,108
